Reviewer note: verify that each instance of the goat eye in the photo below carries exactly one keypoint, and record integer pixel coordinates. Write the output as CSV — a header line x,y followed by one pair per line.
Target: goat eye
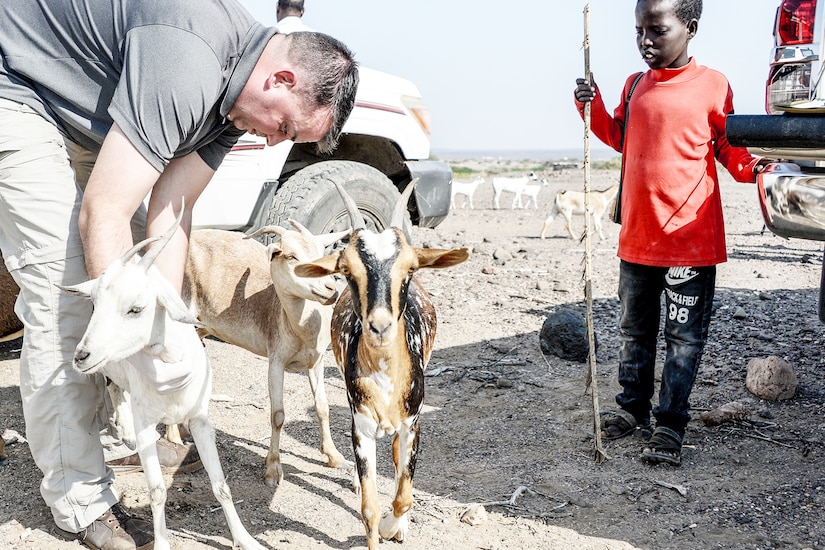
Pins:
x,y
135,310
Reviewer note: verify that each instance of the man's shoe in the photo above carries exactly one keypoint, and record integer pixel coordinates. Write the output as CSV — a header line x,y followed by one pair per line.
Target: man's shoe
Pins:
x,y
174,458
115,530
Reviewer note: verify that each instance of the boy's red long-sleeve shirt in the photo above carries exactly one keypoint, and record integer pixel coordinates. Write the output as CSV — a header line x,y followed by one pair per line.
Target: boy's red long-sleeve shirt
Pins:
x,y
671,204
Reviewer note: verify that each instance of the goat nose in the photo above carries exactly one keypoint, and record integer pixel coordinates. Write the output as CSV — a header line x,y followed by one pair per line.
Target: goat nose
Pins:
x,y
379,328
81,355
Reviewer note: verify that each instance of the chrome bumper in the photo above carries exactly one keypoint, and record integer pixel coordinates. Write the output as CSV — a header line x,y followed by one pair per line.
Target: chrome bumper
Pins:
x,y
793,202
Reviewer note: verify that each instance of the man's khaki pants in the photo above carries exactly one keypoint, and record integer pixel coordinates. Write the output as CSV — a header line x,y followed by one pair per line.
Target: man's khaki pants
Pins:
x,y
41,177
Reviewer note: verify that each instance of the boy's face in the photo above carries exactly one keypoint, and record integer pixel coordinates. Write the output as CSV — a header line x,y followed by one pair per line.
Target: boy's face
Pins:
x,y
661,38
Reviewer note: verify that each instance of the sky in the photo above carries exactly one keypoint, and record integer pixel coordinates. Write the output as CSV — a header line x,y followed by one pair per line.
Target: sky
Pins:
x,y
499,75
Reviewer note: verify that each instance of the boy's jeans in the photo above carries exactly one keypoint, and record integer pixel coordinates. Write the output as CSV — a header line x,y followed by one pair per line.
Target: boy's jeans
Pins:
x,y
688,295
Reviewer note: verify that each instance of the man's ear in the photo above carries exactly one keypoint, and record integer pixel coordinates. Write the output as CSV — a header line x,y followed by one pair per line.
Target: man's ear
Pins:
x,y
284,77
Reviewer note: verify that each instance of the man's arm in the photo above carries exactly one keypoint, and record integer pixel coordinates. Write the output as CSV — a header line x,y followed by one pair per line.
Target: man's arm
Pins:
x,y
119,182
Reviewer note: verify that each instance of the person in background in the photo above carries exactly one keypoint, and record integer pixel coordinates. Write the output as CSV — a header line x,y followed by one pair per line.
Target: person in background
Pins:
x,y
289,13
672,234
98,110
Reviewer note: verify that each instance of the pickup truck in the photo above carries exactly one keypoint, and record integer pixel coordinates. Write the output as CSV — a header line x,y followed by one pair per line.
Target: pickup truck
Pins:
x,y
385,144
792,189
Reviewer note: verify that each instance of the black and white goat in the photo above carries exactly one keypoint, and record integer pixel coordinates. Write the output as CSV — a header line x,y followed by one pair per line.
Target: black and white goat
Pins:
x,y
137,310
383,329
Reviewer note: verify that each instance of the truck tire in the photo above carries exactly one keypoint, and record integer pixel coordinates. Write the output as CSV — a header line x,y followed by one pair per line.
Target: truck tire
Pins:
x,y
310,198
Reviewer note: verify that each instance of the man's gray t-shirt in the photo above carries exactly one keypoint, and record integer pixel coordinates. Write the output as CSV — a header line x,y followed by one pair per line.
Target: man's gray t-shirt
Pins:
x,y
166,71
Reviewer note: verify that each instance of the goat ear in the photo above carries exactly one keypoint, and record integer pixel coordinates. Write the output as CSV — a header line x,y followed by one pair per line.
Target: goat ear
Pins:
x,y
274,250
437,258
319,268
174,306
83,290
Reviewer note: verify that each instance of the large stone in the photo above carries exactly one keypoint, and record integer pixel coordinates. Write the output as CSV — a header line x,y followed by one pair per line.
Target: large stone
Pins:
x,y
564,334
771,378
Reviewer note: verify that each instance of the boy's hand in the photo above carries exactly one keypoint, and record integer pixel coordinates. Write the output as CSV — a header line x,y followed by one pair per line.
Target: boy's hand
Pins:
x,y
761,164
585,89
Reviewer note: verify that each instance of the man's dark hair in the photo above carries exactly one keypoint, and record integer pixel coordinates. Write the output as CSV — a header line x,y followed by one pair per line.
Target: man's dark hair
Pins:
x,y
686,10
295,5
331,74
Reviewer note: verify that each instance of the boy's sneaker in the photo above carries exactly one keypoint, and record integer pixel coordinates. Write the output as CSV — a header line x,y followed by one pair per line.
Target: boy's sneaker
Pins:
x,y
173,458
115,530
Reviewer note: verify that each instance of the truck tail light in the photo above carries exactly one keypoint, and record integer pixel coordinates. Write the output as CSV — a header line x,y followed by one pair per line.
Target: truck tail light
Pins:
x,y
788,83
795,22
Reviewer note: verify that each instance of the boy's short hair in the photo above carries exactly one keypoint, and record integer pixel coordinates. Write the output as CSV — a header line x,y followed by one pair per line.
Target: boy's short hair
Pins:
x,y
686,10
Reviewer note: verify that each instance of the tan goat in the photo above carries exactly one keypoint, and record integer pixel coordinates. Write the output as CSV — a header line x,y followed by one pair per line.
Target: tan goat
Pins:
x,y
247,294
383,329
568,203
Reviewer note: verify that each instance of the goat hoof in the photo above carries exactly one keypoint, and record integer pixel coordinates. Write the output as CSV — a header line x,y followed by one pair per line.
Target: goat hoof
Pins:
x,y
340,462
393,528
273,479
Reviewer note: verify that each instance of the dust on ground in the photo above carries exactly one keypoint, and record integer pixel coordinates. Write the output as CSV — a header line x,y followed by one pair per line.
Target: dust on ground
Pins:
x,y
504,423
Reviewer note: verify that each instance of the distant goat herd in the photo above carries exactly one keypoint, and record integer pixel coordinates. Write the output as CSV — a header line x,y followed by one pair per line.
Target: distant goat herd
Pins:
x,y
565,202
281,302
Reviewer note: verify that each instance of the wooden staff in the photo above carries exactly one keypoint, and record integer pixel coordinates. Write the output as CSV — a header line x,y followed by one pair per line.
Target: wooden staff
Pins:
x,y
590,383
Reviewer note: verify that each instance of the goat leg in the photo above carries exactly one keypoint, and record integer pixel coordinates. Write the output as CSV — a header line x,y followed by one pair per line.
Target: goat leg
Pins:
x,y
146,435
204,435
569,225
363,444
316,384
274,473
394,525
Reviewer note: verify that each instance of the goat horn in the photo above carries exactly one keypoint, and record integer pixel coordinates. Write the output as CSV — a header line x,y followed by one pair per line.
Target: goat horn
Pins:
x,y
267,230
301,229
149,258
355,216
137,248
401,205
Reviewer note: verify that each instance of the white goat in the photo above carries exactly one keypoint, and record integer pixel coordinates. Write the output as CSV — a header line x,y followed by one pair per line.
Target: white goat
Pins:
x,y
248,295
510,185
466,188
383,329
568,203
531,191
137,310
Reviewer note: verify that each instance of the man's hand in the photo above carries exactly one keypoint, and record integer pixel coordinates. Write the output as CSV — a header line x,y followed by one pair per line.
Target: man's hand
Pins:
x,y
167,373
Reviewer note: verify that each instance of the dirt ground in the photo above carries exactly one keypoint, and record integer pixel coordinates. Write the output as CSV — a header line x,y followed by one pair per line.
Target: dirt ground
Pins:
x,y
508,425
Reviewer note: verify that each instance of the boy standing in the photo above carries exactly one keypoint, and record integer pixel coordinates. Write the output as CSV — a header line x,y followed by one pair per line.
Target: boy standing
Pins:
x,y
672,234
